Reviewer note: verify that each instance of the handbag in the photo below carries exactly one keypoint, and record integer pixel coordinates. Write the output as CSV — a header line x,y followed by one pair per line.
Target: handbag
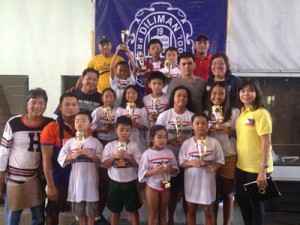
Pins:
x,y
256,194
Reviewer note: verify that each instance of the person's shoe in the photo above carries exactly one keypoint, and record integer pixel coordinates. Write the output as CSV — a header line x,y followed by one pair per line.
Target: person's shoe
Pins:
x,y
101,221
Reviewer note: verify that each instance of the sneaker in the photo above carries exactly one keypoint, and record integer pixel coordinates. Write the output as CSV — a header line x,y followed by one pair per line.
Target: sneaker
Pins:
x,y
101,221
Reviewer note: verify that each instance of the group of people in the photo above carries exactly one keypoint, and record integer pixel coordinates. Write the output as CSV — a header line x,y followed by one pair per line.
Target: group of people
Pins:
x,y
195,129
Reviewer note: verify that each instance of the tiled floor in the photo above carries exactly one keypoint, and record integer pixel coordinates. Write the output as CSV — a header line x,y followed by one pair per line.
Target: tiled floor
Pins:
x,y
271,218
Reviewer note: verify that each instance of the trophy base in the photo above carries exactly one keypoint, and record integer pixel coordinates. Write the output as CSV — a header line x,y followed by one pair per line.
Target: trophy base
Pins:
x,y
121,164
165,184
155,116
168,75
123,48
143,68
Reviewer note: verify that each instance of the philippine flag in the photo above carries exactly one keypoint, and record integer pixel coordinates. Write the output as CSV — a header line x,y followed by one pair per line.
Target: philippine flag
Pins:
x,y
250,122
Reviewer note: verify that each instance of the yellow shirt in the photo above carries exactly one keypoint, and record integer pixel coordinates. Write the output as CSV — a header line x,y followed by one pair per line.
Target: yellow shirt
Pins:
x,y
102,64
250,125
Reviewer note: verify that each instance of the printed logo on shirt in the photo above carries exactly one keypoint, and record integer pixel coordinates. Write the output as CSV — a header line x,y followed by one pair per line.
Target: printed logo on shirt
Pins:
x,y
122,84
250,122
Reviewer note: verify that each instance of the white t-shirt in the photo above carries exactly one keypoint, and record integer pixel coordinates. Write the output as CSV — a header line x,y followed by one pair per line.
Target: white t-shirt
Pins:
x,y
174,72
228,143
127,173
118,85
200,186
84,180
167,119
152,158
100,120
140,116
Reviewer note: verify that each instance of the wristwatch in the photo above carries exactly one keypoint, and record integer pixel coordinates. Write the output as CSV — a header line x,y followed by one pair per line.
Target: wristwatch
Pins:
x,y
264,165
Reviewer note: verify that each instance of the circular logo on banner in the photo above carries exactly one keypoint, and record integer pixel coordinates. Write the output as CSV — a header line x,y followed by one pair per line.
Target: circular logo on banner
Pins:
x,y
160,21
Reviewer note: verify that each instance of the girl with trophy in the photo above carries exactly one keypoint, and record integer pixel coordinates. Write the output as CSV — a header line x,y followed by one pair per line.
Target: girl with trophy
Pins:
x,y
132,106
222,119
156,167
201,156
177,120
84,152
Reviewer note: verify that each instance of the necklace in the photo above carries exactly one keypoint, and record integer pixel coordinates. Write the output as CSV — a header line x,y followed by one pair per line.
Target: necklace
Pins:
x,y
31,123
222,79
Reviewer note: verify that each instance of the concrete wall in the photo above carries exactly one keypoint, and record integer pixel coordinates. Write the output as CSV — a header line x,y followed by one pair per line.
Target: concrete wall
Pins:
x,y
44,40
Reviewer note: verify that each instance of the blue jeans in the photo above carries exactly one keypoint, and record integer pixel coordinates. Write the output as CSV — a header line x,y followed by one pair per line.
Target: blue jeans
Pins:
x,y
13,217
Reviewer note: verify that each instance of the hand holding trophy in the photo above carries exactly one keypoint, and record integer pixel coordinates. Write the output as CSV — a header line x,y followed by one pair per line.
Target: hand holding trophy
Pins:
x,y
202,148
178,128
130,107
124,37
155,105
80,137
108,114
122,146
218,114
165,183
140,58
168,65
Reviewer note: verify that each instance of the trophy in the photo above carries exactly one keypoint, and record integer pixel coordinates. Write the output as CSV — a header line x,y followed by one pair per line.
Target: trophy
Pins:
x,y
202,147
130,108
79,136
155,105
165,183
178,128
168,65
218,114
122,146
141,60
108,114
124,38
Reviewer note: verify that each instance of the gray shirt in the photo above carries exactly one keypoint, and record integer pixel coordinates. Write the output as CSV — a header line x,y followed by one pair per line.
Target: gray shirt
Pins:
x,y
196,89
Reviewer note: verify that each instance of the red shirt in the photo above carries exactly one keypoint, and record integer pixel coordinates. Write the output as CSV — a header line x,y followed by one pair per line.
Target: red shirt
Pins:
x,y
202,67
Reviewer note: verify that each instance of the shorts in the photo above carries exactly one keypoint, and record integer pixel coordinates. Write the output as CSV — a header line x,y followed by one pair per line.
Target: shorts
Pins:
x,y
103,180
228,169
123,194
84,208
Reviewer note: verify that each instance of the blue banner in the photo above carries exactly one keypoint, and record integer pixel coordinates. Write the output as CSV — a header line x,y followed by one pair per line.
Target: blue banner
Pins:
x,y
176,23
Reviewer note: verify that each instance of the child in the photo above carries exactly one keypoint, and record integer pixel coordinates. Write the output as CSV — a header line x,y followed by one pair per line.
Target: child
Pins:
x,y
224,133
103,125
157,165
138,115
122,167
120,75
177,120
171,54
200,170
156,83
84,153
155,63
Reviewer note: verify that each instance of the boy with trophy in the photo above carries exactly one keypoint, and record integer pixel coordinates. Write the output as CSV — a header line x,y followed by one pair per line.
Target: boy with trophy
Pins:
x,y
121,157
83,152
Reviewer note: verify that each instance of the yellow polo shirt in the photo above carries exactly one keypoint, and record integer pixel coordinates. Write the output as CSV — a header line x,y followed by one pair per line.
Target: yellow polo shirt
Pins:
x,y
250,125
102,64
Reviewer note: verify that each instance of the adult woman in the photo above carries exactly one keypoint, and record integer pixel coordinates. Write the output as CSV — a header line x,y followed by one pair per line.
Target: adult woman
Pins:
x,y
253,129
220,71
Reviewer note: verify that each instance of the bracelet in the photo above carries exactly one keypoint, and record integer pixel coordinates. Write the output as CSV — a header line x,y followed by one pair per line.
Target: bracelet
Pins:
x,y
264,165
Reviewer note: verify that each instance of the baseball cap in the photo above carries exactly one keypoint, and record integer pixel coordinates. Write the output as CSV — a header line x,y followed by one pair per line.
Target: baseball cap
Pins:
x,y
104,37
202,36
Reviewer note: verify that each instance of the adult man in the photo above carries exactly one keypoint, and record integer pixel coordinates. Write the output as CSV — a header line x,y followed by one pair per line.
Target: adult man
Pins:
x,y
202,58
195,84
102,62
20,156
53,136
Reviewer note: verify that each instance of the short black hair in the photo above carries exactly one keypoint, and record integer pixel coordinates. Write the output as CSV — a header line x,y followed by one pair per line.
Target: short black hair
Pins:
x,y
157,75
122,63
154,41
88,70
171,49
153,131
87,113
185,55
66,95
123,120
199,115
37,92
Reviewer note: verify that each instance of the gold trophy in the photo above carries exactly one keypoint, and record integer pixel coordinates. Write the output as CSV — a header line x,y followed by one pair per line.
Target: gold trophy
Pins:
x,y
140,58
165,183
80,136
202,148
124,38
218,114
178,128
155,105
130,108
108,114
168,65
122,146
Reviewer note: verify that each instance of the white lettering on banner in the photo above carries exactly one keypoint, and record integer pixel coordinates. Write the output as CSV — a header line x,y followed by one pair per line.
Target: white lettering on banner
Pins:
x,y
160,21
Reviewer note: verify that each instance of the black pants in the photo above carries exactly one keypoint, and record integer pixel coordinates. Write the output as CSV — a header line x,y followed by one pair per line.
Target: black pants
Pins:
x,y
252,212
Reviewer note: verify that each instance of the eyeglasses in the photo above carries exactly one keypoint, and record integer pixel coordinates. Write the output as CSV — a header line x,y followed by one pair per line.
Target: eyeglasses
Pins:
x,y
218,64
